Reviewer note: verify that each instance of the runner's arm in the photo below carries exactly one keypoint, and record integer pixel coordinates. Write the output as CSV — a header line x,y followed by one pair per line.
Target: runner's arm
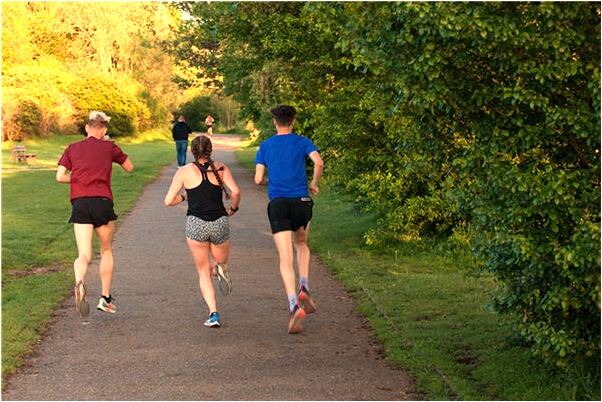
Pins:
x,y
62,176
318,169
128,166
234,190
173,196
260,174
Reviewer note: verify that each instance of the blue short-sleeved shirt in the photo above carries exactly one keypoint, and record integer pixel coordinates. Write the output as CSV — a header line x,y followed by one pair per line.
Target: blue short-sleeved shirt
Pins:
x,y
284,156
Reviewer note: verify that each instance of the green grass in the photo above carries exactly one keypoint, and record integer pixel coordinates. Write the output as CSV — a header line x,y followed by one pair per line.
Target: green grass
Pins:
x,y
27,305
36,234
430,312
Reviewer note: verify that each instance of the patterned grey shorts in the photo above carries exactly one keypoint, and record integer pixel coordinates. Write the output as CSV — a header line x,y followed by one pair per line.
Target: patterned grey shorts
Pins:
x,y
216,232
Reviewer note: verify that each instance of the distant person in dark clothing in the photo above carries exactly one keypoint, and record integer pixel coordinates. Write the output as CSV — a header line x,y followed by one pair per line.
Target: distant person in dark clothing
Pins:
x,y
180,132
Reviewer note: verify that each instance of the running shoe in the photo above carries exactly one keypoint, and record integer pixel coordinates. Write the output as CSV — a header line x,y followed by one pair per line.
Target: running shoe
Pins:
x,y
224,282
106,307
81,304
213,321
295,321
305,300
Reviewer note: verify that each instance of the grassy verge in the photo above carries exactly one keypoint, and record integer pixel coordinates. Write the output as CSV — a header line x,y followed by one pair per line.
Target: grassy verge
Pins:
x,y
35,232
430,313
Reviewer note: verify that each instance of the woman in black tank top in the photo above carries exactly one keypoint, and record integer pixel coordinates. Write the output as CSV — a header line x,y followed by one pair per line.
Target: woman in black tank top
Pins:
x,y
205,201
206,183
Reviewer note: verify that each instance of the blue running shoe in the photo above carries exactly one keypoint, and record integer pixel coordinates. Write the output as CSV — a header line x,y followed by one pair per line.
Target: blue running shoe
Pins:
x,y
213,321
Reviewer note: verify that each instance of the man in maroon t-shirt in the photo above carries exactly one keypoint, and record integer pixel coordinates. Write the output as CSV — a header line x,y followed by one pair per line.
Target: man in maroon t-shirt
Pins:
x,y
86,165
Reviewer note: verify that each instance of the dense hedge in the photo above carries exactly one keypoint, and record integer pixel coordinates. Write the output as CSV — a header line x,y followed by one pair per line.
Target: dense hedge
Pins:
x,y
28,110
65,101
119,100
482,118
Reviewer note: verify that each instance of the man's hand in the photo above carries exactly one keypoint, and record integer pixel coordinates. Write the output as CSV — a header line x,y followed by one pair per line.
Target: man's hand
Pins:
x,y
260,174
318,168
62,175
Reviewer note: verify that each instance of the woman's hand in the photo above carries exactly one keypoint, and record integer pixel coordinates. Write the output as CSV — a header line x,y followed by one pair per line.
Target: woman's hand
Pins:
x,y
174,195
231,211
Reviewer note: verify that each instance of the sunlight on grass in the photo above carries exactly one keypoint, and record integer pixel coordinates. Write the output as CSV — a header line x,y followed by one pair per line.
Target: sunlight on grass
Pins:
x,y
157,134
246,154
8,174
47,151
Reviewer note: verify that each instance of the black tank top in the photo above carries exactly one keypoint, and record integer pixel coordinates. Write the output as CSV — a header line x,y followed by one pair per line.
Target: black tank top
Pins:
x,y
205,200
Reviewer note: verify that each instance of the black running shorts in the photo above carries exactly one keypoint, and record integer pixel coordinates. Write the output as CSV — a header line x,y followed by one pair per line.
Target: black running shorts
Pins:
x,y
97,211
289,213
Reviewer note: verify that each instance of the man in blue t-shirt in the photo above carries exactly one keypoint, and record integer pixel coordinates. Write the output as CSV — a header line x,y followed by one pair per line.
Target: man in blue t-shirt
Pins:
x,y
290,207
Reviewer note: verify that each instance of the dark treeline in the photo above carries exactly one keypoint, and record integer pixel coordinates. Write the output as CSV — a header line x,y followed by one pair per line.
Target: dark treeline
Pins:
x,y
475,121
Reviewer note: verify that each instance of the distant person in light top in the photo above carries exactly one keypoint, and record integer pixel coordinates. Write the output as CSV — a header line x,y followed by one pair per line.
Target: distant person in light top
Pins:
x,y
209,123
290,206
87,165
180,132
207,228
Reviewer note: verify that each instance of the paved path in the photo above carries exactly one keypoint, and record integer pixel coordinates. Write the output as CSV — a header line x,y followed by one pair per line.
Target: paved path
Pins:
x,y
156,347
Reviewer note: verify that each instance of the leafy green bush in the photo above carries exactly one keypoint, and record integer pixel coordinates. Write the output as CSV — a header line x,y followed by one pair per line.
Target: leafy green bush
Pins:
x,y
66,100
28,111
491,113
195,111
24,116
117,99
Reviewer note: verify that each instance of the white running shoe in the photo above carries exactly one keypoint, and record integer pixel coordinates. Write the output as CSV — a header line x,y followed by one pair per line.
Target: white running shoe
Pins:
x,y
106,307
81,304
224,281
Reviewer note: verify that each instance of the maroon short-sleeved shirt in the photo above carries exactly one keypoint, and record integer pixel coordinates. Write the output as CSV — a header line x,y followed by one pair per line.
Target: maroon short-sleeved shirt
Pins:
x,y
90,162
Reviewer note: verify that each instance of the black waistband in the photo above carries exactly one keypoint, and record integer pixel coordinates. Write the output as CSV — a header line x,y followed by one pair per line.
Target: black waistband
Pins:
x,y
208,216
92,198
